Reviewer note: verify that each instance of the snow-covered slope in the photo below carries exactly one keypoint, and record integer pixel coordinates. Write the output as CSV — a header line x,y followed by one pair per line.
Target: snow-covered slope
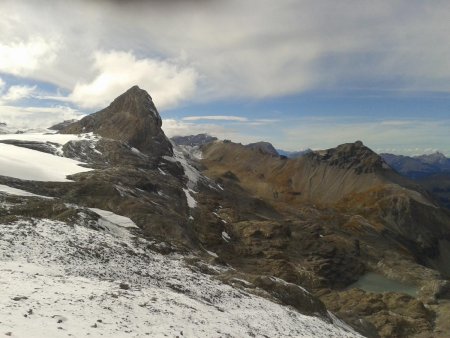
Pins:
x,y
60,280
30,164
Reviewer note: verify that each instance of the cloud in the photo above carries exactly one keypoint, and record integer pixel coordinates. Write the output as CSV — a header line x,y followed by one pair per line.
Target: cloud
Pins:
x,y
36,117
285,47
168,83
216,118
23,58
16,93
412,137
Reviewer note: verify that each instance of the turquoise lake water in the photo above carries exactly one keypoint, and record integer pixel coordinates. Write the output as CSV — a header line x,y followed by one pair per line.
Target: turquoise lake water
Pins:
x,y
374,282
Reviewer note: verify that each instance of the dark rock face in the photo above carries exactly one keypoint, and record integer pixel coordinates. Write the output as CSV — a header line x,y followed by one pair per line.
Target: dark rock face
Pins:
x,y
264,148
193,140
132,118
62,125
46,147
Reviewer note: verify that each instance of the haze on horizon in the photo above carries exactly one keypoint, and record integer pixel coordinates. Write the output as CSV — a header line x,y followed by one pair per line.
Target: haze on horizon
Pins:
x,y
299,74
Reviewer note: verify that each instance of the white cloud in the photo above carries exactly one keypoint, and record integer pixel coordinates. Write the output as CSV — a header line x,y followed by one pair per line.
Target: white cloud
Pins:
x,y
116,72
414,137
24,57
16,93
216,118
284,47
2,85
36,117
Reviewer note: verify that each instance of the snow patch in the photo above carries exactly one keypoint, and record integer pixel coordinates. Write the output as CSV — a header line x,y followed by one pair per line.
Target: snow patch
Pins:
x,y
119,220
19,192
49,137
28,164
225,236
213,254
192,203
191,173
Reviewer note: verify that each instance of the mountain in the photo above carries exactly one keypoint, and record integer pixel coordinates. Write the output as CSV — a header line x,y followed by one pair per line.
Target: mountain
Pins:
x,y
212,238
417,167
263,148
430,171
107,229
132,118
193,140
344,212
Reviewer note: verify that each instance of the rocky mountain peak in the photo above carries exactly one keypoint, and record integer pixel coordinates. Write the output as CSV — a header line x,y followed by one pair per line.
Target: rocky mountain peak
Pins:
x,y
263,147
351,155
131,118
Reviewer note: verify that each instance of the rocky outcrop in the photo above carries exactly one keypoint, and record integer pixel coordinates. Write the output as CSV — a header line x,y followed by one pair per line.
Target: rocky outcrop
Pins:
x,y
353,156
264,148
193,140
393,315
132,118
47,147
62,125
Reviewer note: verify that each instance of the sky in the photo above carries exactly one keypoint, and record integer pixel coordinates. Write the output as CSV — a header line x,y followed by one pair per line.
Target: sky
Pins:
x,y
297,73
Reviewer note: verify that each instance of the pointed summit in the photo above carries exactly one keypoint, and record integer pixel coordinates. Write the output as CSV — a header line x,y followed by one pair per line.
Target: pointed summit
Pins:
x,y
351,155
132,118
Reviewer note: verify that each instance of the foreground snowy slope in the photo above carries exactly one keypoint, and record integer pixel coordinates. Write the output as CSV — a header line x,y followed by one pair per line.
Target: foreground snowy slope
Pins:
x,y
91,279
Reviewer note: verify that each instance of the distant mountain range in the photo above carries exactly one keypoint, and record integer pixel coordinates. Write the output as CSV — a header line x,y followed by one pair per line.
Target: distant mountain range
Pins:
x,y
431,171
417,167
294,154
262,146
193,140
